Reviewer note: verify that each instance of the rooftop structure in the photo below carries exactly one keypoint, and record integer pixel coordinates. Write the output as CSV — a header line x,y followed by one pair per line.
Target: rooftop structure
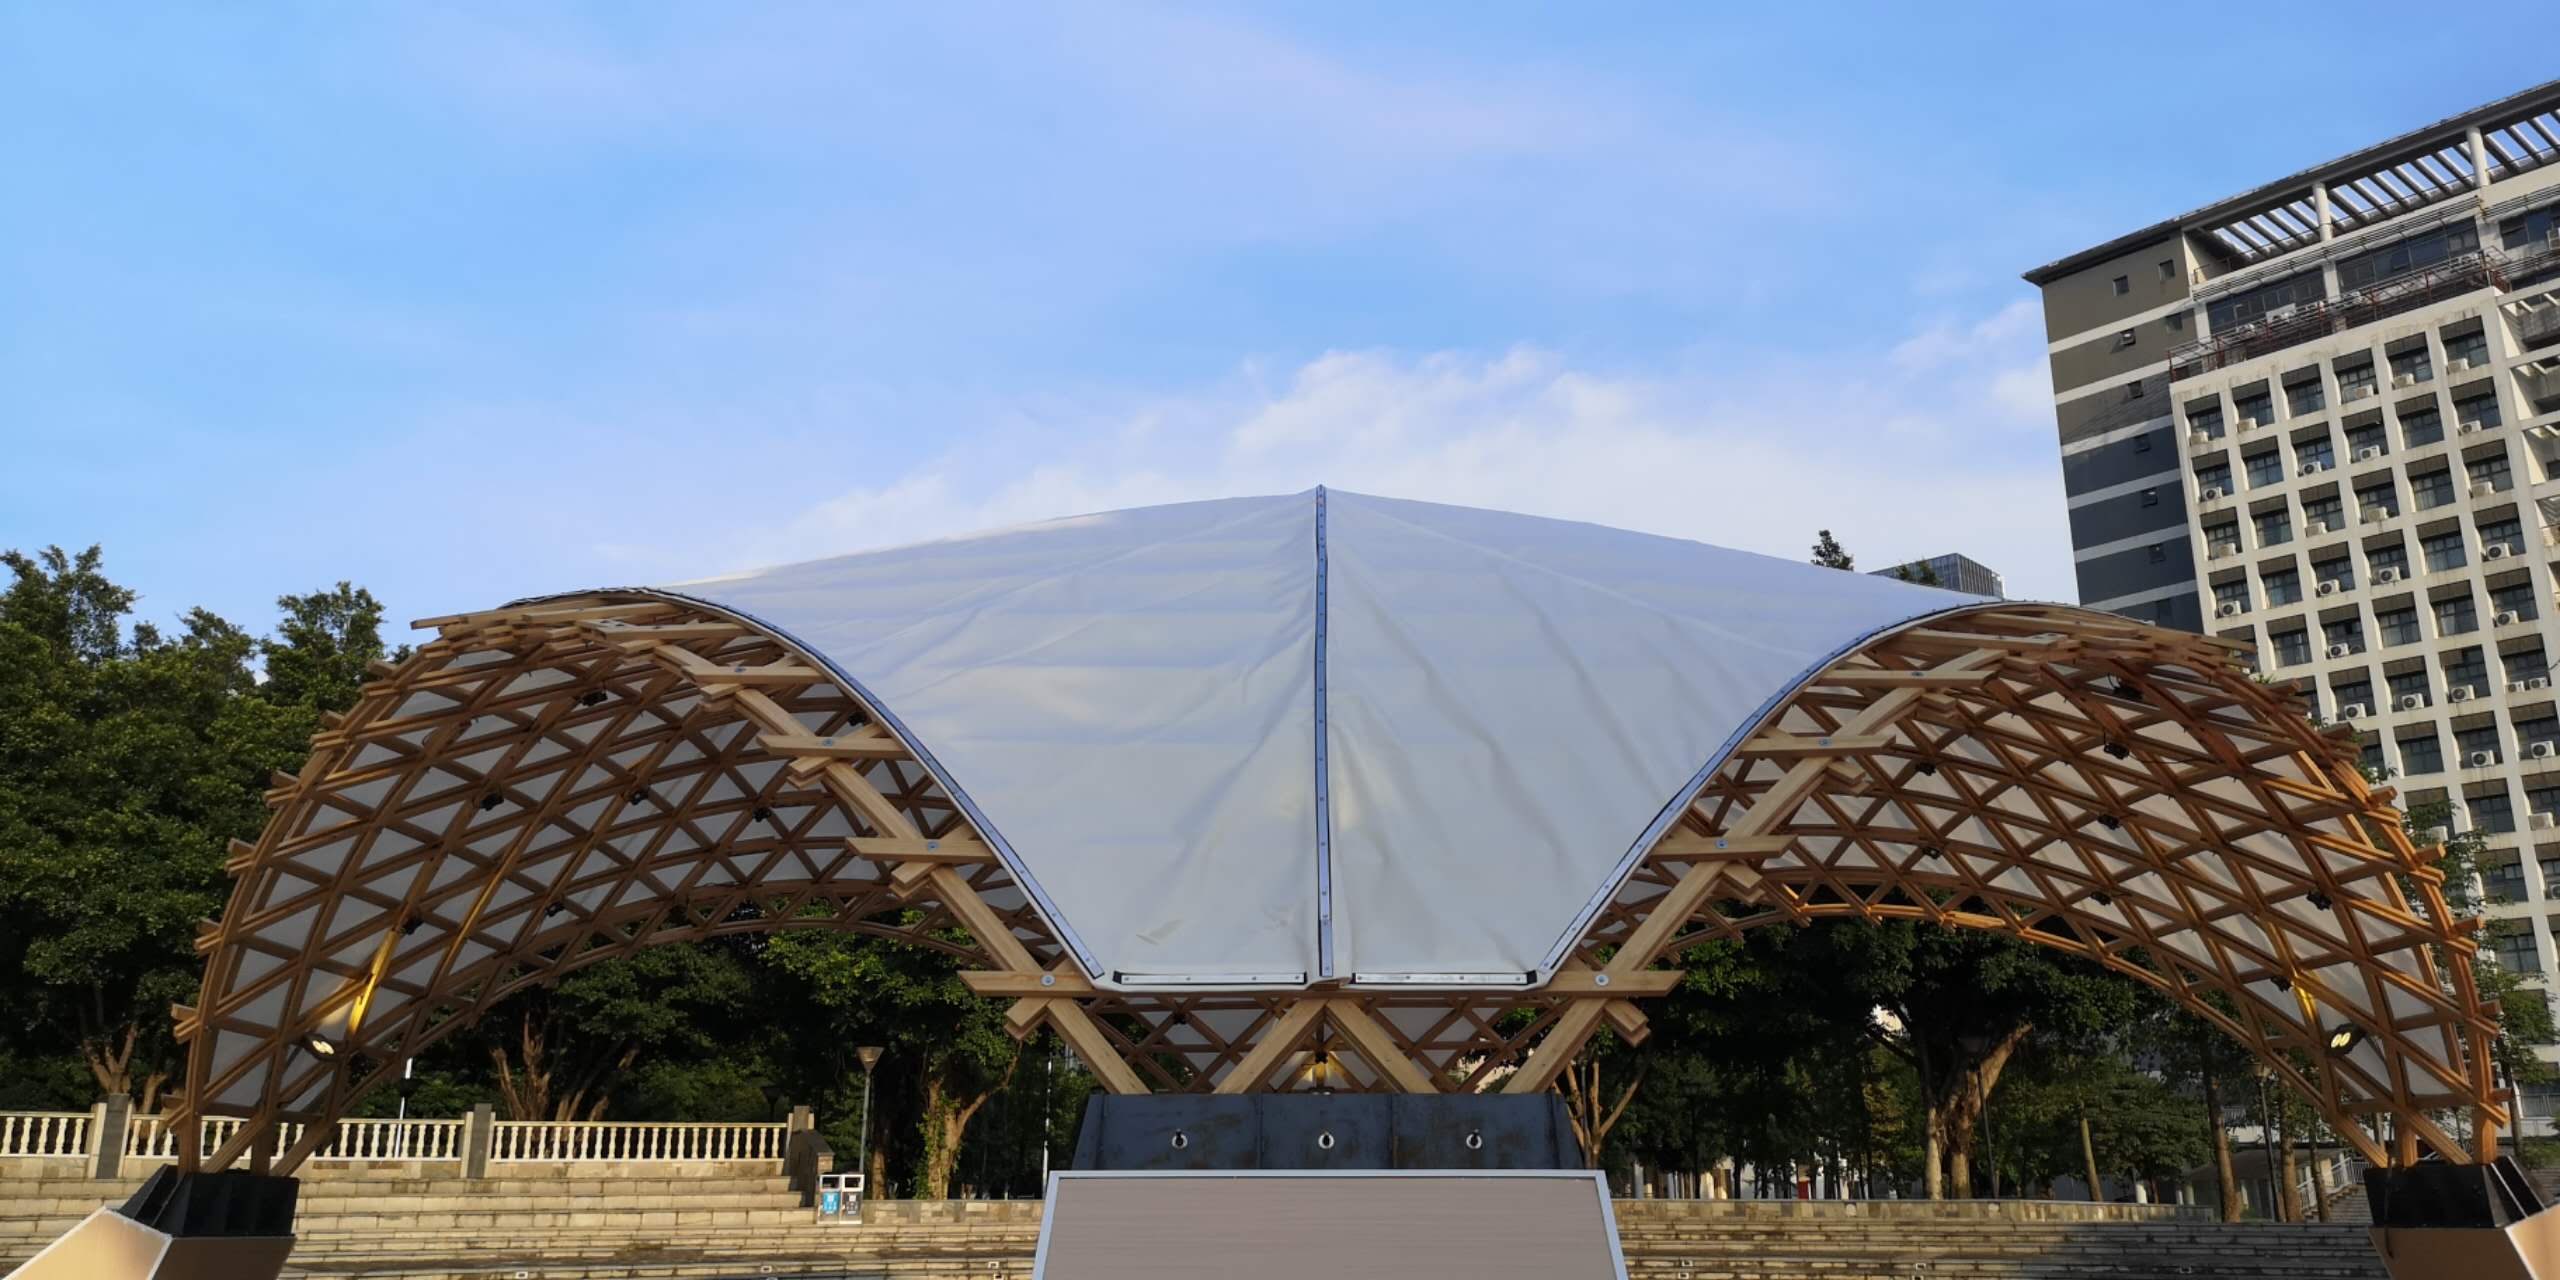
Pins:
x,y
1959,573
1227,790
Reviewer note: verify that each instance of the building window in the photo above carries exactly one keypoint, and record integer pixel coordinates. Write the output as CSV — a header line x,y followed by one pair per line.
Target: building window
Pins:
x,y
2432,490
2284,586
2545,729
2456,615
2310,451
2293,648
2151,497
2323,515
2354,693
2532,230
2505,532
2421,427
2168,270
2345,631
2258,409
2224,536
2124,338
2413,366
2526,664
2515,950
2480,412
2215,476
2444,551
2264,468
2467,670
2275,528
2231,597
2382,498
2416,253
2422,753
2159,553
2302,399
2491,471
2266,300
2470,350
2515,598
2206,421
2133,391
2409,684
2142,444
2398,626
2369,436
2341,571
2504,881
2124,285
2174,321
2392,557
2491,812
2356,381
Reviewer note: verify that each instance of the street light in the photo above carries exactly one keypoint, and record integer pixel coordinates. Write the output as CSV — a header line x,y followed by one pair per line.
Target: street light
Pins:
x,y
869,1056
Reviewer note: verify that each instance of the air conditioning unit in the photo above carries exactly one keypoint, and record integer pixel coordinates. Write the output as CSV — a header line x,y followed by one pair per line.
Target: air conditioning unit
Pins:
x,y
2227,609
2544,821
2221,550
2211,493
2515,686
2369,453
2313,468
2459,693
2537,683
2459,366
2199,439
2412,701
2250,424
2495,551
2354,393
2328,588
2403,381
2542,751
2351,711
2551,238
2483,489
2483,759
2467,429
2432,837
2340,650
2505,618
2386,575
2373,515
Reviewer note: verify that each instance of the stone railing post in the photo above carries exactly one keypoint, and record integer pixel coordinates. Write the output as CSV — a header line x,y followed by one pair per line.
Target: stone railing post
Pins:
x,y
107,1124
479,1134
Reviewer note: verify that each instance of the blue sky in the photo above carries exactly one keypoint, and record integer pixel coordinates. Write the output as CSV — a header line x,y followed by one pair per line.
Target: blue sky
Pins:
x,y
465,303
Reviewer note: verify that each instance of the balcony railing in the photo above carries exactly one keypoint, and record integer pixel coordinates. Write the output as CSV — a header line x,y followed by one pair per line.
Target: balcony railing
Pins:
x,y
2465,273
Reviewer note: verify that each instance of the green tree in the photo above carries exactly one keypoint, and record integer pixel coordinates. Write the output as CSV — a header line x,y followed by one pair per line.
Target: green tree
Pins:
x,y
128,760
1827,553
947,1046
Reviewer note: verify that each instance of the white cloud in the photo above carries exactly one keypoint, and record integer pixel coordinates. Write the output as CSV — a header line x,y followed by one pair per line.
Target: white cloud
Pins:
x,y
1938,445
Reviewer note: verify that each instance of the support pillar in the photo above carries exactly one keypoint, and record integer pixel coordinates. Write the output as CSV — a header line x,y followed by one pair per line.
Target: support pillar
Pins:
x,y
479,1137
108,1123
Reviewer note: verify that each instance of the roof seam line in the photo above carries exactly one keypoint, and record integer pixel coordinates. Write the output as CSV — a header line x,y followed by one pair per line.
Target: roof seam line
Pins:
x,y
1323,782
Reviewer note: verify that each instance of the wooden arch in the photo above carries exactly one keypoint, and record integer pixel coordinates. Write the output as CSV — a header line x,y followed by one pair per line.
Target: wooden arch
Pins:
x,y
546,786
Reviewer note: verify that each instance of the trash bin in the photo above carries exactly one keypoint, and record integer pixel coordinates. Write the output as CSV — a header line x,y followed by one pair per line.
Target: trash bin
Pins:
x,y
840,1196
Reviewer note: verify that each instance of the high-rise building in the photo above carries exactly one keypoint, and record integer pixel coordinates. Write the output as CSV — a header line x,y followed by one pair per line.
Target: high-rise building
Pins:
x,y
1952,571
2322,418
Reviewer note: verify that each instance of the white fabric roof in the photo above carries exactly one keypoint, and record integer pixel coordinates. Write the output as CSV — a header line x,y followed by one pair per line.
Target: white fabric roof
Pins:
x,y
1128,705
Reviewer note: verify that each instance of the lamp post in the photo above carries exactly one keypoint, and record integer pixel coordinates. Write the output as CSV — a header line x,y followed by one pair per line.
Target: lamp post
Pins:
x,y
869,1056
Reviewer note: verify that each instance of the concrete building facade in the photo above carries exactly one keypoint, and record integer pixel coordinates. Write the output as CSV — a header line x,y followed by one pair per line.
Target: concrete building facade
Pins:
x,y
2322,418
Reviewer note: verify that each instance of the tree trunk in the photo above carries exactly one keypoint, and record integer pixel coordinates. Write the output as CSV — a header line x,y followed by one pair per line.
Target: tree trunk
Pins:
x,y
109,1056
1933,1167
2319,1183
2227,1185
946,1122
2089,1154
1964,1093
1590,1113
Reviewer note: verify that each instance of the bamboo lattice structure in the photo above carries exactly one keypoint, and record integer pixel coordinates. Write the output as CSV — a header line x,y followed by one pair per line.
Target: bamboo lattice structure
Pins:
x,y
552,784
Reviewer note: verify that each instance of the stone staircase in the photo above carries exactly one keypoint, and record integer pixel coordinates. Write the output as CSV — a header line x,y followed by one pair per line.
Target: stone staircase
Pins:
x,y
719,1224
